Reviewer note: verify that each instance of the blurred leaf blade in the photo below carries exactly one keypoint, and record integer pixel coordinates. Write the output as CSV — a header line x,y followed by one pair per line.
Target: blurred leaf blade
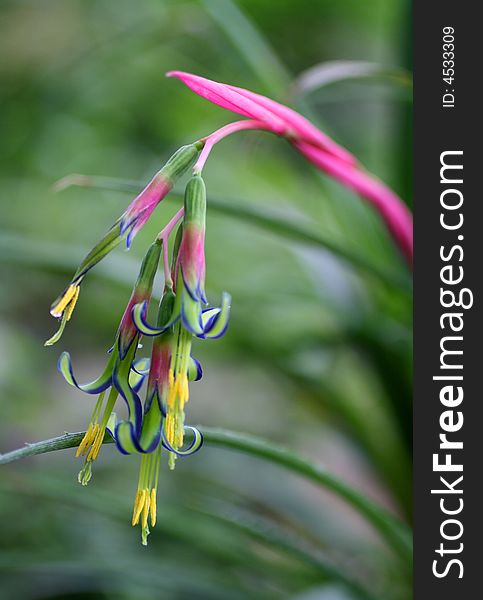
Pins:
x,y
250,44
328,73
394,531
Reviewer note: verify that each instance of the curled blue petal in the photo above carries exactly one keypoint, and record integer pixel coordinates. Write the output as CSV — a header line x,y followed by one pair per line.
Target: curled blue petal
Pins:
x,y
136,381
195,370
127,442
195,294
126,439
209,316
139,312
141,365
195,445
121,383
97,386
215,321
191,315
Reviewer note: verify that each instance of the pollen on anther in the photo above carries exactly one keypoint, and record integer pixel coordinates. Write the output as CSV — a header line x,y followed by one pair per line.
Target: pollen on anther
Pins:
x,y
70,293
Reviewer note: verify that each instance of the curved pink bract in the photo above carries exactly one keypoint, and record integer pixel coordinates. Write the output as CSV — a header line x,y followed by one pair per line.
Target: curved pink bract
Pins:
x,y
316,146
301,127
223,96
141,208
391,208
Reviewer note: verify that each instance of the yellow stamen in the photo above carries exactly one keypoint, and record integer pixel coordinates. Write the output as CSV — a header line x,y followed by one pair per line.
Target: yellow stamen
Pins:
x,y
70,293
169,428
138,506
152,507
147,502
89,438
85,441
98,438
183,390
73,302
171,388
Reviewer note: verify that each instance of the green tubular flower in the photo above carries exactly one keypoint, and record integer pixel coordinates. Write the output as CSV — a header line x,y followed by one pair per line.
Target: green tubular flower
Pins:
x,y
123,374
188,318
150,439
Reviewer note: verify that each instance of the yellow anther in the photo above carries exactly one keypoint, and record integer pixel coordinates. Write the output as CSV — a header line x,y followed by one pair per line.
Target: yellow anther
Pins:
x,y
147,502
152,507
97,442
138,506
73,302
70,293
86,440
171,388
183,390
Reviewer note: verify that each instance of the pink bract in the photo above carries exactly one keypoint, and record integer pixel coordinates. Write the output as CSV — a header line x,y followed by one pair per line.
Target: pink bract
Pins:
x,y
222,95
277,117
394,212
317,147
138,212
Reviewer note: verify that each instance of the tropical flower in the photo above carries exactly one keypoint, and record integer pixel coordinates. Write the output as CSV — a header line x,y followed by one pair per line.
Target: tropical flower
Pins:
x,y
123,374
126,227
317,147
151,438
182,315
188,317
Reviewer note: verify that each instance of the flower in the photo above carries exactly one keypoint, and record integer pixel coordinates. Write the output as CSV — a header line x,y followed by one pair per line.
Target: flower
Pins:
x,y
126,227
123,374
188,317
314,145
181,317
159,421
141,208
152,438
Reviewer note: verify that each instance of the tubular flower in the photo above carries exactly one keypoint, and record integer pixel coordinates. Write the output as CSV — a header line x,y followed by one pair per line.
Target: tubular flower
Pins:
x,y
313,144
151,437
188,317
126,227
123,374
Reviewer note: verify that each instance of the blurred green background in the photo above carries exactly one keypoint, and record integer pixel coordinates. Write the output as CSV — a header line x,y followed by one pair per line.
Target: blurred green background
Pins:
x,y
318,353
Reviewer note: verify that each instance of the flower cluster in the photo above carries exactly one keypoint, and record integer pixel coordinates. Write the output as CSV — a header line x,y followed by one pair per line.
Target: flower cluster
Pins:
x,y
183,315
158,421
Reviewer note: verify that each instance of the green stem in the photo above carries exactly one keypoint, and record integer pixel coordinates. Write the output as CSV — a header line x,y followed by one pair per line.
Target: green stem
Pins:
x,y
392,530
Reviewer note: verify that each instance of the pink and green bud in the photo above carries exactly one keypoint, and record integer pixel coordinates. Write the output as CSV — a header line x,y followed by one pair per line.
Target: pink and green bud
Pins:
x,y
191,254
141,293
189,275
141,208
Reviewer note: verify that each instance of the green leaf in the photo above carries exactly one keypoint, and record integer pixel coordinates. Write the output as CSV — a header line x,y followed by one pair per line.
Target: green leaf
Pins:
x,y
250,43
391,529
331,72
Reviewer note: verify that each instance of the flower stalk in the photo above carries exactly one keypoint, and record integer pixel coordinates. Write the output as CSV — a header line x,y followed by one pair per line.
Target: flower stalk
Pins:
x,y
183,315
